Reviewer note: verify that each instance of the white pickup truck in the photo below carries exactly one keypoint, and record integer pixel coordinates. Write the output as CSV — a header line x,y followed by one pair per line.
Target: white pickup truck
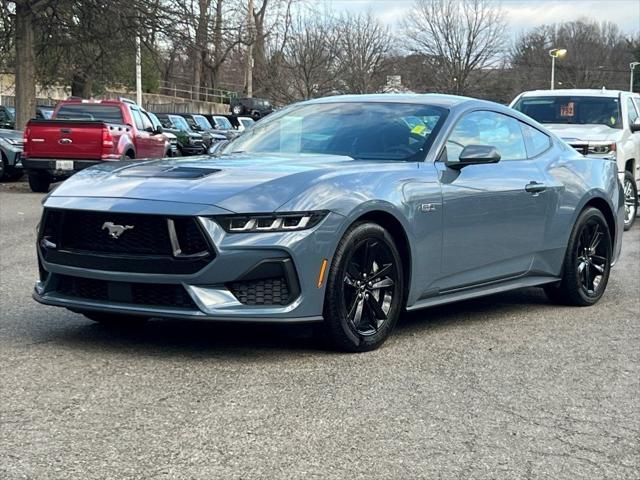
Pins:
x,y
600,123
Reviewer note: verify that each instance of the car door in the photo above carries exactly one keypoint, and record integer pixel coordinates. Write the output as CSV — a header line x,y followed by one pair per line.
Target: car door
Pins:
x,y
159,140
493,214
633,114
144,139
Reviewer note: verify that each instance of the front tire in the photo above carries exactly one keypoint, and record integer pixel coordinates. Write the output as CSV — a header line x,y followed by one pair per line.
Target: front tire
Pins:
x,y
365,288
587,262
39,183
630,200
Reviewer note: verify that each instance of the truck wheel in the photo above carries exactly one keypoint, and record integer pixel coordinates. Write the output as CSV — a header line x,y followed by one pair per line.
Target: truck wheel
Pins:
x,y
39,183
4,168
630,200
237,110
256,116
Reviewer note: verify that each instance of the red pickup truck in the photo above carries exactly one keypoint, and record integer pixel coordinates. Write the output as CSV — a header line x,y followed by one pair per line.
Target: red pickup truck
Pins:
x,y
82,133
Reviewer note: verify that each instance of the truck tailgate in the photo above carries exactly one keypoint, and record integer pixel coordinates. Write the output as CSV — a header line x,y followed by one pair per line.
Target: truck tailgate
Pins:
x,y
65,139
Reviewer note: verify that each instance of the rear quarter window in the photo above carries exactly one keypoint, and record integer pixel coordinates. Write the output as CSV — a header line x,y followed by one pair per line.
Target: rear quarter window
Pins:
x,y
535,141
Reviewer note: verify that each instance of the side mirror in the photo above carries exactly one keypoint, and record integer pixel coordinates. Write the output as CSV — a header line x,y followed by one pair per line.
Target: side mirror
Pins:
x,y
635,126
158,130
476,155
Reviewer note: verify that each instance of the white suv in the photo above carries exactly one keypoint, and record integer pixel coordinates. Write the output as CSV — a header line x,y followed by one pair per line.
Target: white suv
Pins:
x,y
602,123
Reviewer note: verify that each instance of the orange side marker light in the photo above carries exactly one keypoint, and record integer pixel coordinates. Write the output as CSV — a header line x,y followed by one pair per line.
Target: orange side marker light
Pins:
x,y
323,269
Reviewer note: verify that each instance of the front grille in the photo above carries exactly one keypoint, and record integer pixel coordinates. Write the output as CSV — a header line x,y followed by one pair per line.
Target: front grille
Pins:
x,y
87,231
141,294
266,291
82,239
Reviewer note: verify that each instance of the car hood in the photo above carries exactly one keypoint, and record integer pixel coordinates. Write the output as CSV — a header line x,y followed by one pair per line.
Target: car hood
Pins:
x,y
237,182
12,134
572,132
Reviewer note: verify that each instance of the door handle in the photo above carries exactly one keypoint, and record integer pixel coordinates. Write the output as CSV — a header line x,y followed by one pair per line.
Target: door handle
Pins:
x,y
535,187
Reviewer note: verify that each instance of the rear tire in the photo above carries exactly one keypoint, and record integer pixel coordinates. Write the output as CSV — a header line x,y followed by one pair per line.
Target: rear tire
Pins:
x,y
630,200
587,262
39,183
365,288
116,320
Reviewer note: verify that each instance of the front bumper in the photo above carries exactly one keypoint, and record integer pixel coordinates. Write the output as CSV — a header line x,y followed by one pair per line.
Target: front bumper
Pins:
x,y
210,292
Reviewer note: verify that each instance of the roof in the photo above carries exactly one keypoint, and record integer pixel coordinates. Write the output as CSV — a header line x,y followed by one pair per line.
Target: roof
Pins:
x,y
575,92
435,99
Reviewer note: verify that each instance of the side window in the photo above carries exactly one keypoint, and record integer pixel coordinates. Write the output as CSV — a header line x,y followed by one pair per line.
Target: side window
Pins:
x,y
535,141
632,113
487,128
137,118
3,115
146,121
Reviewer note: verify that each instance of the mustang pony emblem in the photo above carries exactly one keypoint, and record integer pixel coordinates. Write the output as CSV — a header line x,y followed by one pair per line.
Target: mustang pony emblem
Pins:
x,y
116,230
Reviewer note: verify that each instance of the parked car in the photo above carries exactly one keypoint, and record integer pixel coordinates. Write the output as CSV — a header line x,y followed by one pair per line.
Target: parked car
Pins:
x,y
7,117
10,153
244,123
44,111
211,135
189,142
346,220
597,123
256,108
83,133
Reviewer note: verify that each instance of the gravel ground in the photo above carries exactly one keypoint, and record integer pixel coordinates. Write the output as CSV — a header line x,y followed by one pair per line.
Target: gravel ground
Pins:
x,y
505,387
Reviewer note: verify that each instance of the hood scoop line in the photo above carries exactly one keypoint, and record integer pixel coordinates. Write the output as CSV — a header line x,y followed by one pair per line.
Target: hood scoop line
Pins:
x,y
179,172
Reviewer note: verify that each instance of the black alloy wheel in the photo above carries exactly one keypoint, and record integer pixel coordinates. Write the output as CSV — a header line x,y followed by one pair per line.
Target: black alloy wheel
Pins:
x,y
587,262
365,289
368,286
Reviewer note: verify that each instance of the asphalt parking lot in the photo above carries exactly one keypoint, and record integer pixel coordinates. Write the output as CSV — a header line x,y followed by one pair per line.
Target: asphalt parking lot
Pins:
x,y
506,387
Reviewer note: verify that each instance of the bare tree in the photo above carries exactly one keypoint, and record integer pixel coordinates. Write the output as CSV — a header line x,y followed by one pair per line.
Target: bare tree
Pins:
x,y
309,59
458,36
363,44
608,58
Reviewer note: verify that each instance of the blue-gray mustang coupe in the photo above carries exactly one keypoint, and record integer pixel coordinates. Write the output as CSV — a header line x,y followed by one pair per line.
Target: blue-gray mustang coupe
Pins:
x,y
342,210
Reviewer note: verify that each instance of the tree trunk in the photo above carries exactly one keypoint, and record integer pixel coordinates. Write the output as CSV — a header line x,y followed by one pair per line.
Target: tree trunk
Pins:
x,y
25,65
80,86
201,44
217,45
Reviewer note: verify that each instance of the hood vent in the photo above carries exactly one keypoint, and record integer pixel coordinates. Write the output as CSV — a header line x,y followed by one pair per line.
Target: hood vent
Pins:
x,y
185,173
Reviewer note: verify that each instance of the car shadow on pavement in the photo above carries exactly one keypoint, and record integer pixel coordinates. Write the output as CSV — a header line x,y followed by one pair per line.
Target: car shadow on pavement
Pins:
x,y
206,339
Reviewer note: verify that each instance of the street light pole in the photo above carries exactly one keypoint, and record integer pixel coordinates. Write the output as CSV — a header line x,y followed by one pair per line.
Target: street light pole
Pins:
x,y
632,66
555,53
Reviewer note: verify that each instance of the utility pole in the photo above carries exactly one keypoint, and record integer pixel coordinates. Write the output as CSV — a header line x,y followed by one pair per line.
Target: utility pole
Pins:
x,y
138,71
249,59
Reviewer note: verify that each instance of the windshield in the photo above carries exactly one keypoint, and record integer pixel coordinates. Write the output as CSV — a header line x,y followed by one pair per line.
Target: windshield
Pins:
x,y
572,110
179,122
47,113
380,131
84,111
223,123
203,122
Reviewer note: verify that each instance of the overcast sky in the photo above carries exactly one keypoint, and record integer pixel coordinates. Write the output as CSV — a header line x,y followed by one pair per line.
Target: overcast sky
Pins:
x,y
521,14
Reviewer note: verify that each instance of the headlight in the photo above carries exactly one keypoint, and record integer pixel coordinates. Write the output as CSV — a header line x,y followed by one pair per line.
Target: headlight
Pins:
x,y
277,222
602,148
13,141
